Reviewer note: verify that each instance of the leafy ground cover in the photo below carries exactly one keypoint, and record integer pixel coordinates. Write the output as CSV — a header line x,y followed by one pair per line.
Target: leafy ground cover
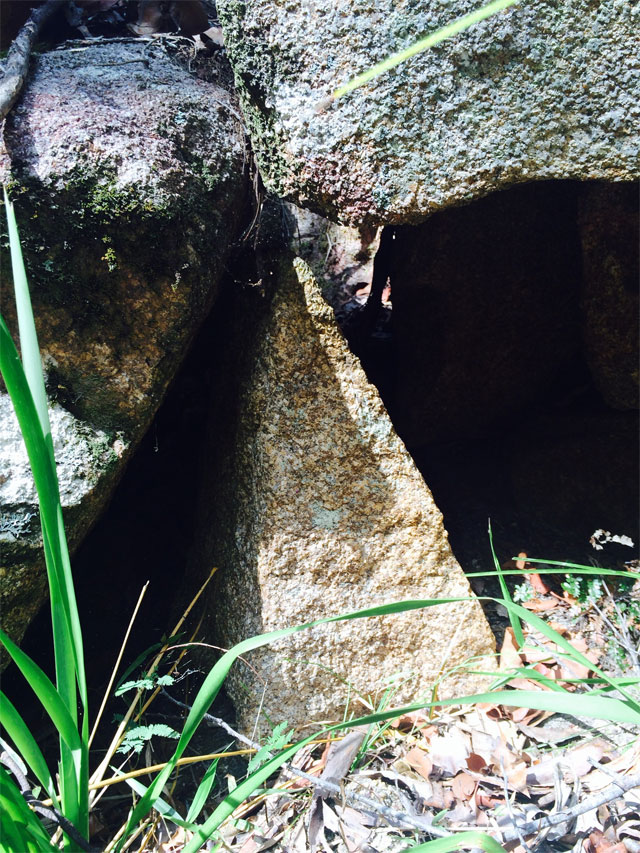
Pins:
x,y
529,778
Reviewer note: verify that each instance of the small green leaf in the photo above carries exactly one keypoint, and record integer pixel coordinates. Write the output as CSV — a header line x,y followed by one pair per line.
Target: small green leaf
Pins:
x,y
276,741
137,737
140,684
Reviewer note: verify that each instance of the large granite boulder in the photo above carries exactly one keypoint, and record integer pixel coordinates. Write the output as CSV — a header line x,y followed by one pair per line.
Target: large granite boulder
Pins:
x,y
312,506
535,92
128,179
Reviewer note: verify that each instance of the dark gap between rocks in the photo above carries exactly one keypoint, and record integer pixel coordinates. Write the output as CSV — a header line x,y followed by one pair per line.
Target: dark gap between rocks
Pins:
x,y
145,534
479,356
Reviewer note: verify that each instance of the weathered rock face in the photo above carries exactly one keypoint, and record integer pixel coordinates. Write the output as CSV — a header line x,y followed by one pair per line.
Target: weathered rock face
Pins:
x,y
127,174
313,507
609,230
532,93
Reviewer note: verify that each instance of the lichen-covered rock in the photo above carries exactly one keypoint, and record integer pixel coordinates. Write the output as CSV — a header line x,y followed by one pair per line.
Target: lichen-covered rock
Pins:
x,y
609,230
128,180
312,506
535,92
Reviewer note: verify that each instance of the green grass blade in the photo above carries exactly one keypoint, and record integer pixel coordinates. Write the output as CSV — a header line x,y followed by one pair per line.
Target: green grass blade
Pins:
x,y
26,324
26,745
161,806
460,841
513,619
581,568
67,635
568,569
22,832
68,655
66,624
540,625
431,40
49,697
204,789
25,409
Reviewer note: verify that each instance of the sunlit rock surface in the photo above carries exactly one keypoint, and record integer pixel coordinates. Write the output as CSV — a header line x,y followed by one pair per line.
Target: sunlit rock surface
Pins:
x,y
312,507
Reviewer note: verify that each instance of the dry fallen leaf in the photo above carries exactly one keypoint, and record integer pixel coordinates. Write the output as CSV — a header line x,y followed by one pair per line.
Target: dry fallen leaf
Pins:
x,y
577,761
538,584
509,654
540,605
419,761
598,842
463,786
414,720
476,762
449,752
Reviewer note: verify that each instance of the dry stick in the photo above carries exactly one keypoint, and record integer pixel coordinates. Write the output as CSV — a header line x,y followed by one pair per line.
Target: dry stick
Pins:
x,y
107,692
117,738
592,802
156,768
398,819
507,802
16,66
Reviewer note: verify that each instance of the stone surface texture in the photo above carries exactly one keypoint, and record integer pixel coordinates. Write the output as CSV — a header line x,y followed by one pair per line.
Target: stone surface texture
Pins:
x,y
609,230
533,93
128,179
89,462
317,509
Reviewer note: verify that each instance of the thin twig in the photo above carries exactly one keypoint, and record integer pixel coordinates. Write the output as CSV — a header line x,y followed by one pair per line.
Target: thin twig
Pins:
x,y
397,819
593,802
117,738
507,802
114,671
16,66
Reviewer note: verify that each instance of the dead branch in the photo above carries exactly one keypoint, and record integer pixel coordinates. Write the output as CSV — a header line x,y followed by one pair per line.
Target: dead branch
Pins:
x,y
49,813
327,788
16,66
607,795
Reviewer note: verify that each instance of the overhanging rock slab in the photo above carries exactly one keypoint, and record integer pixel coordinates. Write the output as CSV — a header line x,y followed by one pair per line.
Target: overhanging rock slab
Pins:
x,y
535,92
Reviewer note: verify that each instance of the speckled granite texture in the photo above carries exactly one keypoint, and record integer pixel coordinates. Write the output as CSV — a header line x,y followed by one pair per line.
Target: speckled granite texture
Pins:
x,y
316,509
542,90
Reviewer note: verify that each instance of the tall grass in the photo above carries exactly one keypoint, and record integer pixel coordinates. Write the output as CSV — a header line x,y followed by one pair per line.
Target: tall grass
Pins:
x,y
66,702
25,385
